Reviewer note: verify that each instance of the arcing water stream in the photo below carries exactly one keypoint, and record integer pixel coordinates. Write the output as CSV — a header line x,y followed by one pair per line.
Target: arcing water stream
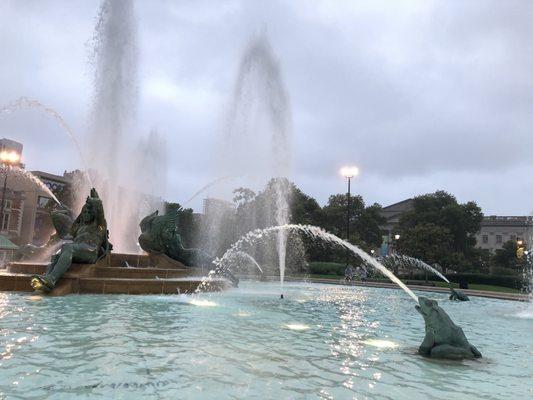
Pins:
x,y
395,260
313,231
21,175
24,102
242,254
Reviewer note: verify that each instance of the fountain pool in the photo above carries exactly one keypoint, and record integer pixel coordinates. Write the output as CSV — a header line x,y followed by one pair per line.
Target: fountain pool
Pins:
x,y
322,341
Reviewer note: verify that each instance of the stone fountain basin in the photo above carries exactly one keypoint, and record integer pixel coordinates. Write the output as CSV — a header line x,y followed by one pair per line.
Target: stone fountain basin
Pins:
x,y
112,276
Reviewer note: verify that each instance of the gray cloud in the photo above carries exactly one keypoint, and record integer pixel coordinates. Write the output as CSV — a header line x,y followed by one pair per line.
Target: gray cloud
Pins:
x,y
421,95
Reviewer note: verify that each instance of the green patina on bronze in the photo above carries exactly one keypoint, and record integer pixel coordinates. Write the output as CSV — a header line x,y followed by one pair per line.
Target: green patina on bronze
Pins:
x,y
62,219
159,235
458,295
88,243
443,338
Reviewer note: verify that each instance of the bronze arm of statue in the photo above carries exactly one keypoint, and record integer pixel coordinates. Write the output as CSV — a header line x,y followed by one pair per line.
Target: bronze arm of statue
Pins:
x,y
89,243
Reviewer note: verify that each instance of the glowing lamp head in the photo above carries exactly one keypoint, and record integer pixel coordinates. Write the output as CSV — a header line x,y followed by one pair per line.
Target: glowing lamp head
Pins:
x,y
9,157
349,172
397,236
519,242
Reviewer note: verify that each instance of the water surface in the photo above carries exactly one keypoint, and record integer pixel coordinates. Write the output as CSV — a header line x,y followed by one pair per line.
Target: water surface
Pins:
x,y
321,341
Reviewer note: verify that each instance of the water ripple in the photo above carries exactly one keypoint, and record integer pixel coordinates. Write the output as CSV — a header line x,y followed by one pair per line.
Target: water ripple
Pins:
x,y
324,342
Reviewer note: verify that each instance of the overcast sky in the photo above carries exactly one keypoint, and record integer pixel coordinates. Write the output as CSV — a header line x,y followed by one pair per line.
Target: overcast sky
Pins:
x,y
421,95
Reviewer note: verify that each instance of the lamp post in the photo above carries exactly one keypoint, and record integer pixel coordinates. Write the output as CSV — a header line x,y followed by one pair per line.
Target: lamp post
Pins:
x,y
7,158
348,173
394,250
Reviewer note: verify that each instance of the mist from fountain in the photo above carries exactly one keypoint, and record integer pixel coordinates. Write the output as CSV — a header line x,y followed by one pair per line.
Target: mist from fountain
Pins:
x,y
395,260
312,231
241,254
121,168
257,139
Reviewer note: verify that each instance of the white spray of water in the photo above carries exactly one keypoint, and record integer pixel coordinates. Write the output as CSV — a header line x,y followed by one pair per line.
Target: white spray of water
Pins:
x,y
24,102
315,232
209,185
394,260
20,175
122,179
258,136
241,254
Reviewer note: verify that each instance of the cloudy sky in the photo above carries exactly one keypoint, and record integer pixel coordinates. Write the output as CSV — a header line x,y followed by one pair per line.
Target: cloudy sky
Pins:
x,y
421,95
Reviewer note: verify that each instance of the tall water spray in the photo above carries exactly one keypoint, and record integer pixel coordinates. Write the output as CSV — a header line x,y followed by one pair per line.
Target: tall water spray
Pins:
x,y
257,141
114,156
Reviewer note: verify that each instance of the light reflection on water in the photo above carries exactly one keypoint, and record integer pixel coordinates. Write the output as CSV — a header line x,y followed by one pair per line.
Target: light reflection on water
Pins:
x,y
339,342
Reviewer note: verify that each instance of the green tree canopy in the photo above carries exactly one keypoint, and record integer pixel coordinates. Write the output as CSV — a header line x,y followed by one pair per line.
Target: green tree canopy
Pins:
x,y
450,228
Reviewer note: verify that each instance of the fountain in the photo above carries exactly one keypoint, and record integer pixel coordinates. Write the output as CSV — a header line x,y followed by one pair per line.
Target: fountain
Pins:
x,y
313,231
395,260
257,138
127,188
323,341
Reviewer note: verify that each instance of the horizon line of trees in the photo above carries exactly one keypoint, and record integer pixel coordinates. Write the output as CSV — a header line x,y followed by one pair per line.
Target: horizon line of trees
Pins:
x,y
438,230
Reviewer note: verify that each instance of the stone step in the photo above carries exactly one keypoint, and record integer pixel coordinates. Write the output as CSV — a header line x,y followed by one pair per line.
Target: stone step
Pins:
x,y
40,268
144,286
100,285
145,273
84,270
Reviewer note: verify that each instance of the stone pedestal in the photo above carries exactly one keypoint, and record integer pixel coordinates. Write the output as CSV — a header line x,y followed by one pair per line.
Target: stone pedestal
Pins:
x,y
116,273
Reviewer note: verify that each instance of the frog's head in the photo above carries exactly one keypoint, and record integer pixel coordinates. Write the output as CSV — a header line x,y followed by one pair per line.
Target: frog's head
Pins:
x,y
426,306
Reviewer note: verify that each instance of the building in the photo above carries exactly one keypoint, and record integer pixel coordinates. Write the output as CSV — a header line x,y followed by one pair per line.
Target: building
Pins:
x,y
393,213
26,206
12,221
212,206
496,230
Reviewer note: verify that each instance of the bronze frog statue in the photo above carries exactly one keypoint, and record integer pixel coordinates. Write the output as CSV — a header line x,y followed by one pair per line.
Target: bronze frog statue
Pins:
x,y
443,338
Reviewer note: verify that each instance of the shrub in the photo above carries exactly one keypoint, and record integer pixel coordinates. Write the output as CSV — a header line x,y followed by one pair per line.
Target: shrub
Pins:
x,y
510,281
326,268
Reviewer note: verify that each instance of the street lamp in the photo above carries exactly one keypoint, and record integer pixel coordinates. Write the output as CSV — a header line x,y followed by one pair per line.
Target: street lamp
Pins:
x,y
348,172
7,158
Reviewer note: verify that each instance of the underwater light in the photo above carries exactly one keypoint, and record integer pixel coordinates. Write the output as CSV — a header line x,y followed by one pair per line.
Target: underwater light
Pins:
x,y
297,327
203,303
382,344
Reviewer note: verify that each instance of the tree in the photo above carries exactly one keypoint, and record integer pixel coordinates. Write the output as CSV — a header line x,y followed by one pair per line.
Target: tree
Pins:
x,y
364,222
452,228
506,256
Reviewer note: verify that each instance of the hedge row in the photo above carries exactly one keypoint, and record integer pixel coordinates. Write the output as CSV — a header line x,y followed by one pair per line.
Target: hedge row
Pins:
x,y
326,268
510,281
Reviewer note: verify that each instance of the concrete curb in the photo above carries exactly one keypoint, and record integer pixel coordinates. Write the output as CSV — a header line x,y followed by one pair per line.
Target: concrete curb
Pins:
x,y
469,292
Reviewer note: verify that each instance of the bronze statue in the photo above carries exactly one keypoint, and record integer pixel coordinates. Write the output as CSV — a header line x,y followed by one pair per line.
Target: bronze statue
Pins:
x,y
443,338
458,295
159,235
89,242
62,218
